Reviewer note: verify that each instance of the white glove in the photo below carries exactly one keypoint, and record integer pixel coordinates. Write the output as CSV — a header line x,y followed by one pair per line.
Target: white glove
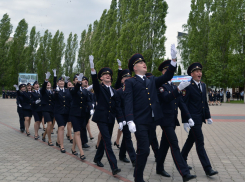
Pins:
x,y
93,106
173,51
66,78
186,127
20,105
183,85
91,61
47,75
124,123
191,122
57,89
131,126
90,87
120,126
80,77
54,71
37,101
210,121
91,112
16,87
119,62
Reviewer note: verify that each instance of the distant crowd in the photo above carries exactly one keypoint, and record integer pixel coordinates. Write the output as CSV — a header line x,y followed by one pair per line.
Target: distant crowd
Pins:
x,y
8,94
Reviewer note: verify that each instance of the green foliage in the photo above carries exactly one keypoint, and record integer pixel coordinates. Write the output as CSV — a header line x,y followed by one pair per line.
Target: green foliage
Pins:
x,y
5,31
215,38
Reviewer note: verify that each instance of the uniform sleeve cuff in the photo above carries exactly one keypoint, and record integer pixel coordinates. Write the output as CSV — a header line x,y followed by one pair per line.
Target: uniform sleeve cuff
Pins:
x,y
93,72
173,63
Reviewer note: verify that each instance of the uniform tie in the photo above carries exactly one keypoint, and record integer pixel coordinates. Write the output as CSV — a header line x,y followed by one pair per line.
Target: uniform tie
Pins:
x,y
144,77
199,87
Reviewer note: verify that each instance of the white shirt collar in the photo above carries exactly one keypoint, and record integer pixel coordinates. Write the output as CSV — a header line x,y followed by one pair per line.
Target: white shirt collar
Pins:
x,y
196,82
141,76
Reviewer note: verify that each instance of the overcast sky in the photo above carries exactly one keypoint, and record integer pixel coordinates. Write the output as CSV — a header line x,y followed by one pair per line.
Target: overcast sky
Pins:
x,y
75,15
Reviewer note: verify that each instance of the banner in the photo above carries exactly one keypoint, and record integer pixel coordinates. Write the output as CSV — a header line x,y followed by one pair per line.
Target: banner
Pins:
x,y
181,78
25,78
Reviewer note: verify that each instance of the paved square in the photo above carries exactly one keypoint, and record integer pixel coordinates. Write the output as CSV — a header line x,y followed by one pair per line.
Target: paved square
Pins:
x,y
25,159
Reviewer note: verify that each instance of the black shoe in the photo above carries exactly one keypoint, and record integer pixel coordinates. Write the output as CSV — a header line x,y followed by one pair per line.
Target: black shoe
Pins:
x,y
211,172
52,133
124,160
50,144
118,146
188,177
96,147
86,145
82,157
35,137
44,129
63,150
28,134
40,128
190,168
134,163
98,163
91,138
58,145
68,137
164,173
53,128
22,130
71,140
115,171
74,152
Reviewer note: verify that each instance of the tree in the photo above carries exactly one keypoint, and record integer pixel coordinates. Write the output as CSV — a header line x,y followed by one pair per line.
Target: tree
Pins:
x,y
30,51
57,52
179,70
5,31
70,54
16,55
194,45
43,56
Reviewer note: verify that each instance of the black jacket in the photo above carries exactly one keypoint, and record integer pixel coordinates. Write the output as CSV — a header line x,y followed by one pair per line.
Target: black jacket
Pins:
x,y
196,103
108,108
170,99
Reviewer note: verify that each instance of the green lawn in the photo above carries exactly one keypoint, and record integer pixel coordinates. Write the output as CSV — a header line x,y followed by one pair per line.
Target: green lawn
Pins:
x,y
236,102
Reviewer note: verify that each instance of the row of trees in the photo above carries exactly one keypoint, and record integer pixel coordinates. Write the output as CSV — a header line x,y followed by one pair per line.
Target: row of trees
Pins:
x,y
215,37
128,27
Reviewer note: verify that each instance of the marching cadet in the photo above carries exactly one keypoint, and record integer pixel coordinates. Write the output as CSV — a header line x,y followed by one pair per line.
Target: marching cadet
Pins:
x,y
3,94
48,106
210,97
126,145
142,108
84,136
26,97
80,100
218,98
107,110
19,101
70,86
62,99
170,99
36,108
195,98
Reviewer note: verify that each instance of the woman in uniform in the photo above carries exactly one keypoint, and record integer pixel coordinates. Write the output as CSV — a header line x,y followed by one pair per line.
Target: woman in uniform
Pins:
x,y
48,106
36,108
26,97
80,100
62,99
69,137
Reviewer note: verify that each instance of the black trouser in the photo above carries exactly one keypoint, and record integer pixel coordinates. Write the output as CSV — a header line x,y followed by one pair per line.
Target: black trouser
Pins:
x,y
21,118
106,130
83,133
169,139
154,143
127,145
196,135
144,135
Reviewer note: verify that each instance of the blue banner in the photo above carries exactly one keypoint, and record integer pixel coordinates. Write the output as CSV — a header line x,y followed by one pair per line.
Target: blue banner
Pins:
x,y
25,78
181,78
